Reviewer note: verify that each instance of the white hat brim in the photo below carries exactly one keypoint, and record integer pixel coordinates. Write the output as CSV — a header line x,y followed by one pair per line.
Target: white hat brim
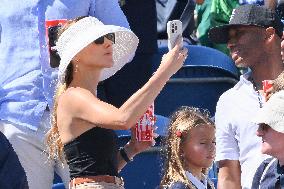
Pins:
x,y
84,32
272,113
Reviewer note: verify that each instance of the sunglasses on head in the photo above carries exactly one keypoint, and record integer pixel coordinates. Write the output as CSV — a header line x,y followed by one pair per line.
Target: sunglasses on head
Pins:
x,y
101,40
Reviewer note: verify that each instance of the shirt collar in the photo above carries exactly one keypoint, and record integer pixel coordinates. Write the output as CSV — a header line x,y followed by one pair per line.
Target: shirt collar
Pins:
x,y
244,79
196,182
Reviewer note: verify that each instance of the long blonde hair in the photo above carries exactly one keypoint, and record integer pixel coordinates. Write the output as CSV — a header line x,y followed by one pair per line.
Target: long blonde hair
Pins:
x,y
53,141
182,121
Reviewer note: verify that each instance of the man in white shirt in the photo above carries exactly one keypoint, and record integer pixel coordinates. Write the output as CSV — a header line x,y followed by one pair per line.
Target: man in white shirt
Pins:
x,y
253,36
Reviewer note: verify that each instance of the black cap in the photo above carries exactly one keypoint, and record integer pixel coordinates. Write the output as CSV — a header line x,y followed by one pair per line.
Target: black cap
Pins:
x,y
247,15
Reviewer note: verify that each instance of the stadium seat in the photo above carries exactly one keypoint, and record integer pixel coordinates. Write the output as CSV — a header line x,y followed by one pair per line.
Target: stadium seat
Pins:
x,y
206,74
144,171
57,182
58,186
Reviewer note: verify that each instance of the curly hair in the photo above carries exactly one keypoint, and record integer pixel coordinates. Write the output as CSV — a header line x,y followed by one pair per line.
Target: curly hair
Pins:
x,y
181,122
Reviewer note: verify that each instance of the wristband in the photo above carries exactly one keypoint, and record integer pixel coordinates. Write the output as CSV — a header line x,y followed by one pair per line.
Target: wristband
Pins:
x,y
124,155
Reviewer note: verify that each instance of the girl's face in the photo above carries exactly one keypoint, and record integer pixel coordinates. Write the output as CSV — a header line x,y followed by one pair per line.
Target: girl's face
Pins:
x,y
272,141
199,147
96,55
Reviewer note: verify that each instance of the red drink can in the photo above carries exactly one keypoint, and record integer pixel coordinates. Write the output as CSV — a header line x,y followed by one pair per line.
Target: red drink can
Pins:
x,y
51,25
145,126
266,84
51,29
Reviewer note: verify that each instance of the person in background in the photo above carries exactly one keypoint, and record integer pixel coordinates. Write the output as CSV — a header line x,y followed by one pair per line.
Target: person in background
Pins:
x,y
190,150
277,85
91,52
12,174
203,22
220,14
27,81
270,174
253,36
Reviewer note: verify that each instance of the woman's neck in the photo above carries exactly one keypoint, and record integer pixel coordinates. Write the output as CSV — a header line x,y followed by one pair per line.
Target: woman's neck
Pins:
x,y
86,80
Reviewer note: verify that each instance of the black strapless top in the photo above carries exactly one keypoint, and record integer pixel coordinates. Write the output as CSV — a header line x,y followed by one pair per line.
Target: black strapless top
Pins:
x,y
93,153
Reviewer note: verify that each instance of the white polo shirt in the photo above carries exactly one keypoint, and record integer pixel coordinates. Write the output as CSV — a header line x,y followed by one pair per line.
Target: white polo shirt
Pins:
x,y
235,133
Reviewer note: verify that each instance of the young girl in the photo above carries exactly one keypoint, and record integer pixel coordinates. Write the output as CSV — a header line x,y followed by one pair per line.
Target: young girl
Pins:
x,y
190,150
82,124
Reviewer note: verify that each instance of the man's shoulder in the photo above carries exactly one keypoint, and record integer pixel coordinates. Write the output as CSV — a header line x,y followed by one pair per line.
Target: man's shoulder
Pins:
x,y
233,92
230,94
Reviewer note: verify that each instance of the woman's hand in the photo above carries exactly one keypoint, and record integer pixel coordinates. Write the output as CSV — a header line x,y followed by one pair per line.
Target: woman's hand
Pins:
x,y
174,59
134,147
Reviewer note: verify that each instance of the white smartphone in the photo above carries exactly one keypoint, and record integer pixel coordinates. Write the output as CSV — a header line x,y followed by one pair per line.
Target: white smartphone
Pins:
x,y
174,29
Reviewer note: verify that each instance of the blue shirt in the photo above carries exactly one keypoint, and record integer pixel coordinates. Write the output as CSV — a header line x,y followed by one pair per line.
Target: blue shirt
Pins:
x,y
273,177
26,80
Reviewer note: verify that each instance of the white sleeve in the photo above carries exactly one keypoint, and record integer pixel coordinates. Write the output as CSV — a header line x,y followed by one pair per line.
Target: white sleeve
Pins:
x,y
109,12
226,143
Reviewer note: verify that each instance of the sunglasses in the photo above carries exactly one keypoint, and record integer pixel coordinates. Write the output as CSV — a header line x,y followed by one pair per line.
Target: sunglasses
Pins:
x,y
101,40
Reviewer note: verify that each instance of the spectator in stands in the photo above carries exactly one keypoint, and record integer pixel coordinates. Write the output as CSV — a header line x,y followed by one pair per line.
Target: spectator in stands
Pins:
x,y
190,150
83,126
253,36
270,174
213,13
26,81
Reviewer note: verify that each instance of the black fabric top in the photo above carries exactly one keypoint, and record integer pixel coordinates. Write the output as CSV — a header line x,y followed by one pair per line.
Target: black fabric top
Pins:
x,y
93,153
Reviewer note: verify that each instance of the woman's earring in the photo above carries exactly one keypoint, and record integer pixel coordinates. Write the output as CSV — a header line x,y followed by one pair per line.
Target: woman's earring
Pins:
x,y
76,65
76,68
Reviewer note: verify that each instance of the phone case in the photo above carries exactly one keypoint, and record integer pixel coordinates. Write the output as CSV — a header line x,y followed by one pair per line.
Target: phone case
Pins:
x,y
174,29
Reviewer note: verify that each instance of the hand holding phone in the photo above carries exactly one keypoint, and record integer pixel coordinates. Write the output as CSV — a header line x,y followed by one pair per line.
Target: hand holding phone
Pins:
x,y
174,29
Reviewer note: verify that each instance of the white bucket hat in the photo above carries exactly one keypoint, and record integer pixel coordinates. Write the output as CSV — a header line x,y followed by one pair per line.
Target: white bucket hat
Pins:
x,y
84,32
272,113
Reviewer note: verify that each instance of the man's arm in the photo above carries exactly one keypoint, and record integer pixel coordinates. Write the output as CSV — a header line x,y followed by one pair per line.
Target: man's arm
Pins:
x,y
229,175
227,144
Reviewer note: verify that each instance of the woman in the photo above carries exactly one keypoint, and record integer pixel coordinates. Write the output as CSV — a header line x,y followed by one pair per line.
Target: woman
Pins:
x,y
82,124
270,120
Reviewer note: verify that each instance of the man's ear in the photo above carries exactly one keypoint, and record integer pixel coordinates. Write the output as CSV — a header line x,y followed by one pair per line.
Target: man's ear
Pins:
x,y
270,33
